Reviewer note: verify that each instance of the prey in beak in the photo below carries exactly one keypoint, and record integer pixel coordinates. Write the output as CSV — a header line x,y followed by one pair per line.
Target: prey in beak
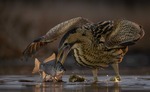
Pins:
x,y
49,69
63,52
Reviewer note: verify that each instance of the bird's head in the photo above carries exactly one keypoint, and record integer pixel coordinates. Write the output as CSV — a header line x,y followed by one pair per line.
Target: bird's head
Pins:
x,y
124,33
71,40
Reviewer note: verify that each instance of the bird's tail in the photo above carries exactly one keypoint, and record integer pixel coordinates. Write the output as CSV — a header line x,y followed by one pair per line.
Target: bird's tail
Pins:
x,y
36,66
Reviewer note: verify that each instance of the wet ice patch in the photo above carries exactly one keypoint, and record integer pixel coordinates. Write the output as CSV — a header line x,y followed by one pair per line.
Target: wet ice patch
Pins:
x,y
23,82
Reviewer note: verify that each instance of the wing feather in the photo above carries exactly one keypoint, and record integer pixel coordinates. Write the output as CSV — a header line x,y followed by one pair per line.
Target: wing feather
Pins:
x,y
53,34
124,33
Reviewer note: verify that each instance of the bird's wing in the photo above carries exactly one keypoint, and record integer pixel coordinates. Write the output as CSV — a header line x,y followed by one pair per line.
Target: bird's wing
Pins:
x,y
101,29
53,34
124,33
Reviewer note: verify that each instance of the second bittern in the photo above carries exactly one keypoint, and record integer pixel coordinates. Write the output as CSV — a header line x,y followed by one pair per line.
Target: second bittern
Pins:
x,y
94,45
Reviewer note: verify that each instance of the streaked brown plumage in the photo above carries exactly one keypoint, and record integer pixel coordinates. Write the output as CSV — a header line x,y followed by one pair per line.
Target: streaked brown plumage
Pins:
x,y
94,45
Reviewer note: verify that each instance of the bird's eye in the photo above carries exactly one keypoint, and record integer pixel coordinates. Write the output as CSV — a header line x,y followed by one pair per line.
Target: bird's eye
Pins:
x,y
65,43
83,34
140,26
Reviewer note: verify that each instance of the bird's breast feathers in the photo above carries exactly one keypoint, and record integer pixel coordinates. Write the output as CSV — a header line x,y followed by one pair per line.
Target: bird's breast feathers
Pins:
x,y
98,57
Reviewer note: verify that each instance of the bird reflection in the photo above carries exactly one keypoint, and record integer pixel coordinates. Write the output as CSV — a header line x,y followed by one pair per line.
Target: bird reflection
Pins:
x,y
112,87
78,87
49,87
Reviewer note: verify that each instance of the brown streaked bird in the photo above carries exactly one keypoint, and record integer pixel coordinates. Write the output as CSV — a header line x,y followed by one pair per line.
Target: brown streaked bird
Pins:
x,y
94,45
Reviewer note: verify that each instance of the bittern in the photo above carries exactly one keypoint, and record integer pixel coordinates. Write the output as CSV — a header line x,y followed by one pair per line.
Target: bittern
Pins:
x,y
94,45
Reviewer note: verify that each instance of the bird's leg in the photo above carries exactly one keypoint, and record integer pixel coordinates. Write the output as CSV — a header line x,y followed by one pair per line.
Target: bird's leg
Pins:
x,y
116,69
95,71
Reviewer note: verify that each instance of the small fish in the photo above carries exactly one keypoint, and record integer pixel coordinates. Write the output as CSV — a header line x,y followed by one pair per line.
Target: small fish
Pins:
x,y
49,69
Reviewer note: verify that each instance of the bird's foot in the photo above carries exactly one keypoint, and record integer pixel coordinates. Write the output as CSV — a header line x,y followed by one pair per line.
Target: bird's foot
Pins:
x,y
95,80
115,78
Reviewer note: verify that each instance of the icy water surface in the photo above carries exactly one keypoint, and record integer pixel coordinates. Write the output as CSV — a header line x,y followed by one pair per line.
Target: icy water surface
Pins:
x,y
24,83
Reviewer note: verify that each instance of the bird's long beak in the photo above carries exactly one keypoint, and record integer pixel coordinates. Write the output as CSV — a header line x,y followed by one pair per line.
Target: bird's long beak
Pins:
x,y
63,52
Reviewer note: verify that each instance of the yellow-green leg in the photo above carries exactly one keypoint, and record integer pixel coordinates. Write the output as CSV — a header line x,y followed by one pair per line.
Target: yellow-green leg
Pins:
x,y
95,71
116,69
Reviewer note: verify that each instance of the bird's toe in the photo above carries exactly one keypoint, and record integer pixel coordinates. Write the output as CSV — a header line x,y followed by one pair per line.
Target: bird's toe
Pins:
x,y
115,78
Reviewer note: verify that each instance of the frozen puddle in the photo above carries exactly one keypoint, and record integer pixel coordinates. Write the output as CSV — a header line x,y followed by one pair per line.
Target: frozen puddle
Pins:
x,y
24,83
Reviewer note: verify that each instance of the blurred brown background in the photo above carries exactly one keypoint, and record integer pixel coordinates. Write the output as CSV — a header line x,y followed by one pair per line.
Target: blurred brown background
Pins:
x,y
21,21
